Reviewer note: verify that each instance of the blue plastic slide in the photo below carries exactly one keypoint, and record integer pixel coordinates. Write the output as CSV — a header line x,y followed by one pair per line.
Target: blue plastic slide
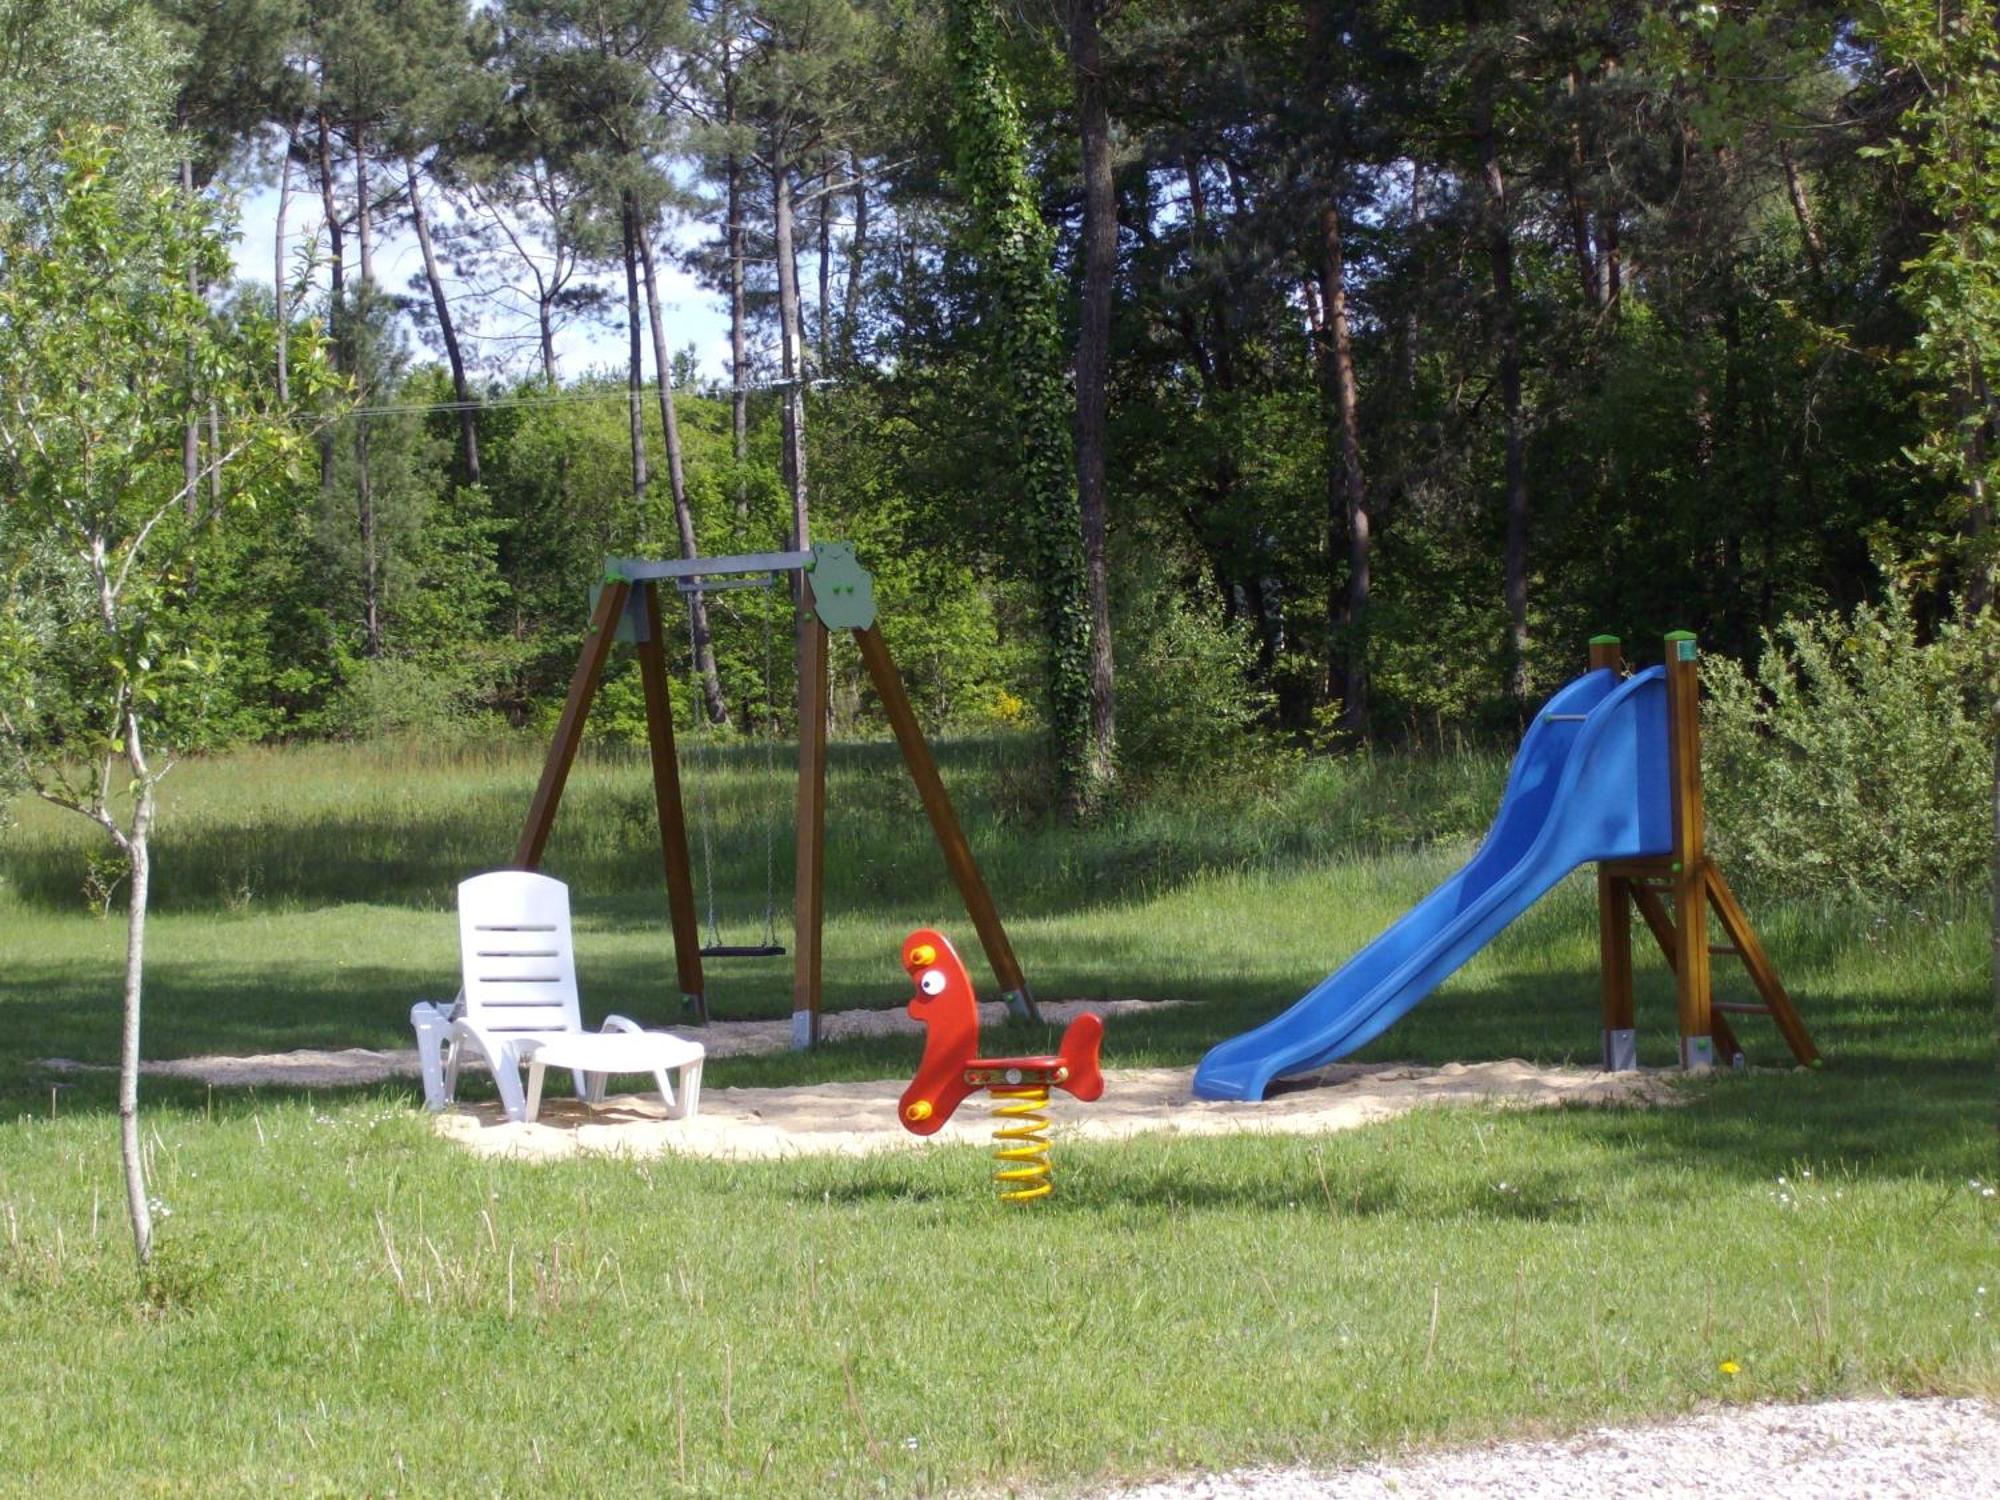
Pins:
x,y
1589,783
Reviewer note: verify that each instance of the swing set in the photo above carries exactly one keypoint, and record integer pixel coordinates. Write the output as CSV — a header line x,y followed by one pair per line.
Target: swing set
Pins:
x,y
833,592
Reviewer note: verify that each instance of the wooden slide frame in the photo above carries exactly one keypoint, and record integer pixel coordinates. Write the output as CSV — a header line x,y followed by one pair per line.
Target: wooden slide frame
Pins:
x,y
1696,886
628,608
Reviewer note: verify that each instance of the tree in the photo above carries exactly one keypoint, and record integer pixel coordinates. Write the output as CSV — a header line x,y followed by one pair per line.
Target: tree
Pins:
x,y
1093,374
107,662
1013,247
1948,146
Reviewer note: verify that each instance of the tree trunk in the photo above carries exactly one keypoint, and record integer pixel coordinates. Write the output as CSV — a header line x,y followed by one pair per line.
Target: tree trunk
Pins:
x,y
739,343
1795,189
191,434
823,311
468,428
1500,250
279,288
364,217
364,480
1575,171
1347,619
1347,491
635,384
138,848
704,649
857,253
1979,503
790,338
336,272
1093,369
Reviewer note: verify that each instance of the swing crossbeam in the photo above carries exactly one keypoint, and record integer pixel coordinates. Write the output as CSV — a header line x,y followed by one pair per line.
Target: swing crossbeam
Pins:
x,y
835,593
643,570
703,585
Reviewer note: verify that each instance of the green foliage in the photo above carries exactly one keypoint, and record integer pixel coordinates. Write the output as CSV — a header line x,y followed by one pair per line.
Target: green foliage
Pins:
x,y
1188,715
1856,756
68,69
1948,146
105,627
386,696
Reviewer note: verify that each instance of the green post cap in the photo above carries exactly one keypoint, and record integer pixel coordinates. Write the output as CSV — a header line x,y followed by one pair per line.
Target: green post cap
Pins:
x,y
1680,643
843,590
1680,635
1604,640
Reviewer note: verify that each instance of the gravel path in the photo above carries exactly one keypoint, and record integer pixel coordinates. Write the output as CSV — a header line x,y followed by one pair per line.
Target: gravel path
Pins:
x,y
1842,1450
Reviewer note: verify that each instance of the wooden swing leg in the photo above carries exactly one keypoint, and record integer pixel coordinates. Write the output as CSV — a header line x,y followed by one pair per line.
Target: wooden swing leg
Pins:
x,y
809,903
569,727
672,813
945,827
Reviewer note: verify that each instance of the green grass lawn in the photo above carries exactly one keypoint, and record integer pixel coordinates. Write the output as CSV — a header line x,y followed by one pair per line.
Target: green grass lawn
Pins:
x,y
342,1304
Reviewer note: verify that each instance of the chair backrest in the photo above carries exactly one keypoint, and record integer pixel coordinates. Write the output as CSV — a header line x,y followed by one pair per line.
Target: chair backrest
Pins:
x,y
514,952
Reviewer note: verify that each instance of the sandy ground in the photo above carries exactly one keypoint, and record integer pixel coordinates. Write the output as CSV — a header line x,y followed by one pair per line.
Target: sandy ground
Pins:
x,y
857,1118
1839,1450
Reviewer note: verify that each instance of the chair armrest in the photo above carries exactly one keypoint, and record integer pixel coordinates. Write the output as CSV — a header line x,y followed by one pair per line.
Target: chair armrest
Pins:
x,y
620,1023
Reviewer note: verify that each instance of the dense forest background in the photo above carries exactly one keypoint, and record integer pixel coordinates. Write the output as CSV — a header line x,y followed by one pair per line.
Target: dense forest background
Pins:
x,y
1185,371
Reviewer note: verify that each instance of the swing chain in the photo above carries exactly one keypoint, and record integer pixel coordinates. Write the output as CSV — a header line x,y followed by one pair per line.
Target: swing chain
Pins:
x,y
704,765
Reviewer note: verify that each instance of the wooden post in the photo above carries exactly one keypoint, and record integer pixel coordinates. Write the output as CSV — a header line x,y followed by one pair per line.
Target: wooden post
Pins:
x,y
944,822
1693,983
809,905
569,727
1654,910
1614,927
667,799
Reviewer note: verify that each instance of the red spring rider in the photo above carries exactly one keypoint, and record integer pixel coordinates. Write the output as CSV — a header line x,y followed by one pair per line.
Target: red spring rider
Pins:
x,y
949,1010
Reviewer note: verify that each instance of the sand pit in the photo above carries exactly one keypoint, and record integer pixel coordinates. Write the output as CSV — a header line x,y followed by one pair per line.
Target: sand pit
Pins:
x,y
358,1067
858,1118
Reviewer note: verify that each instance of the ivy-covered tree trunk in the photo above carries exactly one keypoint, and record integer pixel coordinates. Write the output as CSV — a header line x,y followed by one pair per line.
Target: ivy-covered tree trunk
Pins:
x,y
1093,377
1013,247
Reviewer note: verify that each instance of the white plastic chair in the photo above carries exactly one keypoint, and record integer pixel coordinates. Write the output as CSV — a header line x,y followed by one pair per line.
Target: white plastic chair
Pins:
x,y
519,1000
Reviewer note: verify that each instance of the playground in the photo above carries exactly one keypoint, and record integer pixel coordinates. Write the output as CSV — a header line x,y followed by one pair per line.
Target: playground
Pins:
x,y
836,1321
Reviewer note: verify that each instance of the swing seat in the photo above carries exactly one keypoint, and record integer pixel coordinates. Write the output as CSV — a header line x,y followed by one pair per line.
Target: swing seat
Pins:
x,y
744,950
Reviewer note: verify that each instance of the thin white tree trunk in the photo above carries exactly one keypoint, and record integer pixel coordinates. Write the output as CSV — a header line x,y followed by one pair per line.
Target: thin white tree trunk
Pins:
x,y
138,849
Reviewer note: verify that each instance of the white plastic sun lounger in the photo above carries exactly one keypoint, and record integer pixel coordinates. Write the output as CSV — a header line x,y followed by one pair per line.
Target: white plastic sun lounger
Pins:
x,y
518,1008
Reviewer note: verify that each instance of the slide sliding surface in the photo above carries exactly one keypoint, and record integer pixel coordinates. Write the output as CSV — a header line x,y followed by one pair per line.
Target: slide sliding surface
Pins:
x,y
1588,783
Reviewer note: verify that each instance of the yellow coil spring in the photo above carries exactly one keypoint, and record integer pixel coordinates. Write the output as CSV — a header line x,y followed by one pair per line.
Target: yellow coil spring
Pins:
x,y
1022,1147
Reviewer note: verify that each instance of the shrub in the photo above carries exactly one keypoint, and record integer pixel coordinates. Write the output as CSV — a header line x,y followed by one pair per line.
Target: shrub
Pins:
x,y
391,695
1187,711
1856,756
